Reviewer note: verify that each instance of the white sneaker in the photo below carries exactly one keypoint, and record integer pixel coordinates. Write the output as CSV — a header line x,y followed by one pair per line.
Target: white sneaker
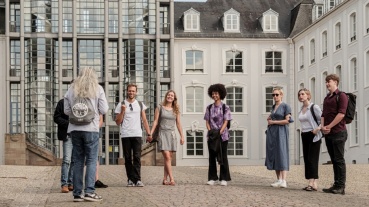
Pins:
x,y
223,183
211,182
283,184
276,184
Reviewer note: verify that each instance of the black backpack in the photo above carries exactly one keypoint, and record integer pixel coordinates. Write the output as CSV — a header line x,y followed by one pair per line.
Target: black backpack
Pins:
x,y
223,108
351,106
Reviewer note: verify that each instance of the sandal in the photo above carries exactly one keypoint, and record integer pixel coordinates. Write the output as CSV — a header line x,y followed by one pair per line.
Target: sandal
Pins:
x,y
172,183
311,188
306,187
165,182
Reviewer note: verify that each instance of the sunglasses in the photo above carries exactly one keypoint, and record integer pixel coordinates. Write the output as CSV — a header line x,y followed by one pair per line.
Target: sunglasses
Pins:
x,y
130,106
275,94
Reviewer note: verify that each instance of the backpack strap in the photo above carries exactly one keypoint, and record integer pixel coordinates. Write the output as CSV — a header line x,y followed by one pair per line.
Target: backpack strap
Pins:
x,y
209,107
313,113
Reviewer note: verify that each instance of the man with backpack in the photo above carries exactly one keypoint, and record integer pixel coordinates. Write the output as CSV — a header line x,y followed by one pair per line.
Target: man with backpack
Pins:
x,y
130,115
334,127
83,103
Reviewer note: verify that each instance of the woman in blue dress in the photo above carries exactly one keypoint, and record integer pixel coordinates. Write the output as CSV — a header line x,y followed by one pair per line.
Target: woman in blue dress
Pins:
x,y
277,145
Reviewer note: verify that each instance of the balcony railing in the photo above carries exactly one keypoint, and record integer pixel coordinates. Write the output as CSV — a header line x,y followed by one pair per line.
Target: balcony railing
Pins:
x,y
165,28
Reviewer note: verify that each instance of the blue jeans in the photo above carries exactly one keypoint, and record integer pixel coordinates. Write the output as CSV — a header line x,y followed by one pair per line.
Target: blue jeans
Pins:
x,y
85,145
67,164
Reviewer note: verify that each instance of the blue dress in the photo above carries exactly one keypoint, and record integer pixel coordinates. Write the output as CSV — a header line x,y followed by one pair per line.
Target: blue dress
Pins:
x,y
277,144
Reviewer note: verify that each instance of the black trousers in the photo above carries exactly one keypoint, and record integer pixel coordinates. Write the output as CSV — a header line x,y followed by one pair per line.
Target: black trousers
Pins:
x,y
132,145
224,169
336,149
311,151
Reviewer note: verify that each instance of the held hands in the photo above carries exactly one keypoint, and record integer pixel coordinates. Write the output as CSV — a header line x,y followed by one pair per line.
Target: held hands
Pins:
x,y
326,129
149,138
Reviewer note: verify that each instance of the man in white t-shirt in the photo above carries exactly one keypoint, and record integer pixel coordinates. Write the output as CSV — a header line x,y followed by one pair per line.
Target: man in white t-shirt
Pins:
x,y
129,116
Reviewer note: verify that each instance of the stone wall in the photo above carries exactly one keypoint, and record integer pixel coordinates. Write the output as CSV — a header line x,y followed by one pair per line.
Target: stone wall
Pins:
x,y
15,149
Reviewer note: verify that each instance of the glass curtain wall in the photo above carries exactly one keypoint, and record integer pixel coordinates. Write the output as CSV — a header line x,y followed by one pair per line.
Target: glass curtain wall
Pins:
x,y
37,16
138,16
40,93
90,54
90,16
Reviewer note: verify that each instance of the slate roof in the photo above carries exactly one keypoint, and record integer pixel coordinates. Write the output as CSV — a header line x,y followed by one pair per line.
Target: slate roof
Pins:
x,y
250,11
301,17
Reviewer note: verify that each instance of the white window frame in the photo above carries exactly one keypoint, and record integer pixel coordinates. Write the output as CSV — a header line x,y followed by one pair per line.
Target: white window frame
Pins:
x,y
184,88
270,21
243,99
338,71
353,74
185,155
196,70
366,65
366,122
194,16
337,36
284,64
324,88
235,21
354,132
353,27
324,44
244,144
184,63
233,52
312,54
366,18
224,59
312,87
301,58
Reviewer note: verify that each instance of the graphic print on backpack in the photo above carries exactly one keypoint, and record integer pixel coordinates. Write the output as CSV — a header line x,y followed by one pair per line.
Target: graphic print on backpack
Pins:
x,y
82,112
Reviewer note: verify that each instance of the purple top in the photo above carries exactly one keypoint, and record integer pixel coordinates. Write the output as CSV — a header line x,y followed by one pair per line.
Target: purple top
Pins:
x,y
330,110
217,118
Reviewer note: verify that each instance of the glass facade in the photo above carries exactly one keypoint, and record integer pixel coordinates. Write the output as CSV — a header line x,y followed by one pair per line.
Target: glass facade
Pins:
x,y
52,61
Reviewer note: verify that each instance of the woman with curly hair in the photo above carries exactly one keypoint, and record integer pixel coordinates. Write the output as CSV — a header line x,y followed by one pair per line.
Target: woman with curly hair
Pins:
x,y
169,118
217,116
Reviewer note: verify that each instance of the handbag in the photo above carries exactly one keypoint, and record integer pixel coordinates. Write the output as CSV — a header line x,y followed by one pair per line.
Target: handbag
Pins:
x,y
155,135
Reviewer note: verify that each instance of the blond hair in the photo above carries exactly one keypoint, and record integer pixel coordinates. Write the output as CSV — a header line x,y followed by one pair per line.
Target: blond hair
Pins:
x,y
86,84
174,103
308,93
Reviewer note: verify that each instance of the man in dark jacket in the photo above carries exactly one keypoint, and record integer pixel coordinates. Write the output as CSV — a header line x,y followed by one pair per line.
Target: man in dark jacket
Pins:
x,y
62,121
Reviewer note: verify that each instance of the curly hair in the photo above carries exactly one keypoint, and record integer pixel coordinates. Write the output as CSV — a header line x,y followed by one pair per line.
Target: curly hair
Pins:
x,y
220,88
86,84
174,103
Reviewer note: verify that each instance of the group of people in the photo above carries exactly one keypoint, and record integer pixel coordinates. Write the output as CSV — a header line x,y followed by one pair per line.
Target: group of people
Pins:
x,y
82,130
315,124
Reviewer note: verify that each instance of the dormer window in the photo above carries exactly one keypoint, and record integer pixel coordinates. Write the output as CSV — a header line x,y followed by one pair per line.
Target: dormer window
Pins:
x,y
269,21
191,20
317,9
231,21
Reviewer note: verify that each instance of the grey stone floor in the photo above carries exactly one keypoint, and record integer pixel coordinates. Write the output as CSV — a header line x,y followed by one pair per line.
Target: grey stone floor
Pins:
x,y
250,186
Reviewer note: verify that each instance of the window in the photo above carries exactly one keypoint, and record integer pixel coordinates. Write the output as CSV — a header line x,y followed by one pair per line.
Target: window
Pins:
x,y
195,99
67,58
113,100
312,51
367,126
37,16
90,16
139,16
235,143
367,18
269,98
353,74
366,71
194,61
352,27
301,57
113,16
312,89
324,44
15,18
164,19
317,11
15,58
15,108
164,60
231,22
273,62
67,16
339,73
90,55
234,99
234,61
270,21
195,143
354,131
192,21
324,88
337,38
113,59
164,87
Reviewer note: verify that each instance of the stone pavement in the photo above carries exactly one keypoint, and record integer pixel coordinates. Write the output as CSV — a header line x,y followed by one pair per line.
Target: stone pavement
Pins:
x,y
250,186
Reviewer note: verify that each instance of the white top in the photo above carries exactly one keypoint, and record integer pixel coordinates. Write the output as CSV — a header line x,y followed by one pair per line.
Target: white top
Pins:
x,y
311,122
305,122
99,103
131,126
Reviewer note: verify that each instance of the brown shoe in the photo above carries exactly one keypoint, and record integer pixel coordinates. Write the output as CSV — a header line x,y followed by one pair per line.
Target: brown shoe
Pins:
x,y
70,187
64,189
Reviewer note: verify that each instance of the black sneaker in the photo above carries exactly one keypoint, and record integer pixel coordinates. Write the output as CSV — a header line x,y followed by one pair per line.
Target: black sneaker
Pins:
x,y
329,190
92,197
78,199
338,190
99,184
